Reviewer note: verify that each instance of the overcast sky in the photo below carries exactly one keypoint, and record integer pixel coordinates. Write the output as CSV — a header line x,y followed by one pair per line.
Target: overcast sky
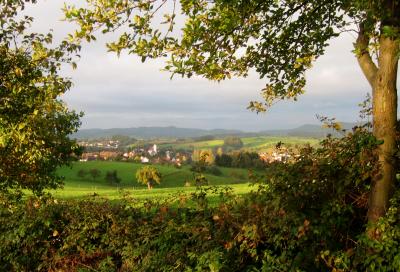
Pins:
x,y
123,92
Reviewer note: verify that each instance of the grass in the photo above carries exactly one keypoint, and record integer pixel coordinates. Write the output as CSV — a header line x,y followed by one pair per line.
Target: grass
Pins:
x,y
260,143
265,142
173,181
195,145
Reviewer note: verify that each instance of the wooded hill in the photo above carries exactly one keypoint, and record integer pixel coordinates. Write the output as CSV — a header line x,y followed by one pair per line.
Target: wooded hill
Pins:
x,y
307,130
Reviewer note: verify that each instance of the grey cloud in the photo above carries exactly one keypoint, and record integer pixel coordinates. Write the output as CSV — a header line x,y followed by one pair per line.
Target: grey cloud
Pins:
x,y
123,92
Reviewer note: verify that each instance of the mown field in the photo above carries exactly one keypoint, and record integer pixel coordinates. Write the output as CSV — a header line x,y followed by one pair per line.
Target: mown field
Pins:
x,y
173,181
259,143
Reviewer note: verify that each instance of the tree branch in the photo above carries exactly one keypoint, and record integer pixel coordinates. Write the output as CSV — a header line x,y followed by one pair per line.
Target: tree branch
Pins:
x,y
368,67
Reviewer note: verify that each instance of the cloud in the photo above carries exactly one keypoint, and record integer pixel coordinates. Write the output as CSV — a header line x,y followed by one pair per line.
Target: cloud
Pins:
x,y
123,92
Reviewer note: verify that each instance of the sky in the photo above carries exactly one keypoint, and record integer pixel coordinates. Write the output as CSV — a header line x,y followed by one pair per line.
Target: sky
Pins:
x,y
124,92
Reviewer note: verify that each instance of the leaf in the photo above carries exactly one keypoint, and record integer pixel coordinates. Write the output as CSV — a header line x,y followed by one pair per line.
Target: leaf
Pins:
x,y
21,126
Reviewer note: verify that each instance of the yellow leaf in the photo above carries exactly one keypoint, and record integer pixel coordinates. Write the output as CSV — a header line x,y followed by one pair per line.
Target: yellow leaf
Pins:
x,y
18,71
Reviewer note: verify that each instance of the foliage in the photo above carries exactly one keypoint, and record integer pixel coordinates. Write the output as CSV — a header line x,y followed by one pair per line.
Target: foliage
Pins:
x,y
204,138
148,175
224,160
172,179
82,173
199,166
112,177
204,156
200,180
214,170
94,173
240,160
279,39
232,143
204,165
34,123
308,215
221,39
124,140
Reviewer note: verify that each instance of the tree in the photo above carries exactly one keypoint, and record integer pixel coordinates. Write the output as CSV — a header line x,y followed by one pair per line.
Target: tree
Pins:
x,y
232,142
112,177
95,173
279,39
82,173
148,175
34,123
224,160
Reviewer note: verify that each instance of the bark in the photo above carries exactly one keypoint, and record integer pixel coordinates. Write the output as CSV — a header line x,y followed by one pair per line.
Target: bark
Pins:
x,y
382,78
384,101
364,58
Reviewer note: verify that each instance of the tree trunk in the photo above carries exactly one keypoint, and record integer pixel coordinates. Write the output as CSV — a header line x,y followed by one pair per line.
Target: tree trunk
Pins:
x,y
384,126
149,185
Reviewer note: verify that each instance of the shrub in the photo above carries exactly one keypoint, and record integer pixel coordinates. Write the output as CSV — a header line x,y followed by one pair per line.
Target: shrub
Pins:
x,y
200,180
112,177
94,173
232,143
82,173
213,170
307,215
223,160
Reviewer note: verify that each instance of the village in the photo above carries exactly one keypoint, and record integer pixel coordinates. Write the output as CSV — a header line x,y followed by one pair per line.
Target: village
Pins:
x,y
111,150
108,150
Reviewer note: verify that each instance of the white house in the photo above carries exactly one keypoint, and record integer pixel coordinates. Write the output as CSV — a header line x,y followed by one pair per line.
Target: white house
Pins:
x,y
144,159
153,150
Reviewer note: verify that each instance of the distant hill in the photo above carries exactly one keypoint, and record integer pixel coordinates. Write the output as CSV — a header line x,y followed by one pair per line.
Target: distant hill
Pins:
x,y
307,130
152,132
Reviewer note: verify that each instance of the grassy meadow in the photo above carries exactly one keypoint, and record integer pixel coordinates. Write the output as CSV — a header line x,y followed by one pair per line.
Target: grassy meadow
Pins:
x,y
173,181
259,143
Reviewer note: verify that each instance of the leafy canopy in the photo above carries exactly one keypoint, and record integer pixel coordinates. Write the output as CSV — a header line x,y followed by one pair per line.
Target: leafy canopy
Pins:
x,y
34,122
225,38
148,175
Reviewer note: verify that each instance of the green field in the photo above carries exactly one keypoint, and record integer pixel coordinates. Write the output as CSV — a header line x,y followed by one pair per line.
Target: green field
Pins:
x,y
194,145
265,142
173,181
259,143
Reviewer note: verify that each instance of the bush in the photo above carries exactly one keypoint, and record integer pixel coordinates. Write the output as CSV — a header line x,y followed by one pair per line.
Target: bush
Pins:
x,y
232,143
308,215
240,160
82,173
112,177
223,160
213,170
200,180
94,173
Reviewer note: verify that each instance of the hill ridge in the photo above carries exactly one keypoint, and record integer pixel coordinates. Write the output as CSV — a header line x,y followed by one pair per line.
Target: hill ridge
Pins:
x,y
143,132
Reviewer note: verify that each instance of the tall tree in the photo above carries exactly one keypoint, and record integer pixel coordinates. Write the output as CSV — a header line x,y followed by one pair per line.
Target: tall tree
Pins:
x,y
279,39
34,123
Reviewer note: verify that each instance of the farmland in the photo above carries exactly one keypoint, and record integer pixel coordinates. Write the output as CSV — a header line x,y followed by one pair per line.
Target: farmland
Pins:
x,y
173,180
258,143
